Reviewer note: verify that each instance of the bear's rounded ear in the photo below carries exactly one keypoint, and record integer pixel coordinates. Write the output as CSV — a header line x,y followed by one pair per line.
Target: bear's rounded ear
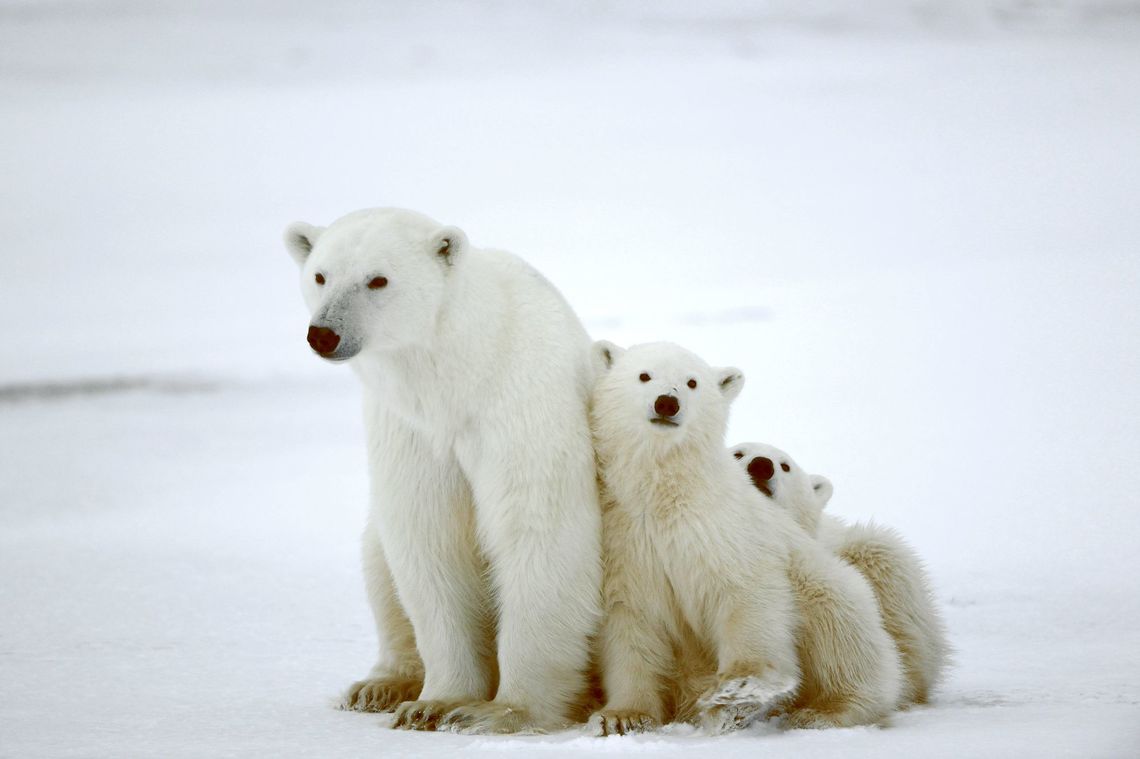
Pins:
x,y
822,488
730,380
300,239
604,354
448,244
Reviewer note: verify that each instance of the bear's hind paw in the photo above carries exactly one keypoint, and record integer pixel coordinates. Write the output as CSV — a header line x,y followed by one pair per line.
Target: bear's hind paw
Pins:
x,y
489,717
421,715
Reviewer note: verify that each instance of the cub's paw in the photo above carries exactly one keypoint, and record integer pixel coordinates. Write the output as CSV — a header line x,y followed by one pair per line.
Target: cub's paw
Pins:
x,y
381,694
759,691
420,715
620,722
716,720
485,717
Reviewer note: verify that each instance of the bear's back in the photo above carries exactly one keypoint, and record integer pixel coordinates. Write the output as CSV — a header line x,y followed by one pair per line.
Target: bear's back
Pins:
x,y
538,330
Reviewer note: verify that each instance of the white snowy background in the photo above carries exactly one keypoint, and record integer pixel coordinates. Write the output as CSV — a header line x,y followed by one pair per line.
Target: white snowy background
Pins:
x,y
915,225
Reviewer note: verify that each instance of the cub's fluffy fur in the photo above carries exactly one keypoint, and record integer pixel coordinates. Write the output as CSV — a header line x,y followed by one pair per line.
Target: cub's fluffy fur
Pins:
x,y
891,566
718,606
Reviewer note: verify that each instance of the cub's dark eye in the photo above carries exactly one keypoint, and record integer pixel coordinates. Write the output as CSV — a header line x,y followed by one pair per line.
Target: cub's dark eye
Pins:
x,y
785,467
692,384
739,454
320,279
377,282
644,377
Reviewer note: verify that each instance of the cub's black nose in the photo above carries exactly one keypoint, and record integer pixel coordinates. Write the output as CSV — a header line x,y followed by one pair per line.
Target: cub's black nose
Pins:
x,y
761,469
323,340
666,405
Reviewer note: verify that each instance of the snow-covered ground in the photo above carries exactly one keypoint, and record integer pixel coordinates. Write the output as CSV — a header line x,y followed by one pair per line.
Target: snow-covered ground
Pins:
x,y
914,225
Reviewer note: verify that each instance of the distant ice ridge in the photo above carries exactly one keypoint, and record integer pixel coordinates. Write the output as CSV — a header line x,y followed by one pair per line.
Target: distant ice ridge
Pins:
x,y
46,390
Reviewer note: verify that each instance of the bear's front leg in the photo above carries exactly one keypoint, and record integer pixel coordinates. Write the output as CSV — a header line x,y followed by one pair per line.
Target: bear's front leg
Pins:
x,y
424,511
634,652
399,672
756,654
539,521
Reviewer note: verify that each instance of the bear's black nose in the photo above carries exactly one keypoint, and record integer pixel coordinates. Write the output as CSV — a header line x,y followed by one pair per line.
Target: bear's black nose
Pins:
x,y
323,340
761,469
666,405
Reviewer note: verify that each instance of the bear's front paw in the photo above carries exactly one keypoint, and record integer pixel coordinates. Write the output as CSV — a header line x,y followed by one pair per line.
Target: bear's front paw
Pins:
x,y
759,691
488,717
420,715
620,722
381,694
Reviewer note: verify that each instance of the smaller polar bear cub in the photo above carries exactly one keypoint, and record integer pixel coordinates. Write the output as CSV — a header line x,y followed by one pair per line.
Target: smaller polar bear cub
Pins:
x,y
711,613
882,556
802,495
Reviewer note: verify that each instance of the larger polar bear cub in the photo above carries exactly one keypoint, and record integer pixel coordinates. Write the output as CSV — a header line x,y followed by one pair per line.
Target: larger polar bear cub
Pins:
x,y
711,612
481,552
892,567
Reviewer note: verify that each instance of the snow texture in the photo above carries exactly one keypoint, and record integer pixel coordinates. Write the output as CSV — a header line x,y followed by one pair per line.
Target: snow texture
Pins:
x,y
913,224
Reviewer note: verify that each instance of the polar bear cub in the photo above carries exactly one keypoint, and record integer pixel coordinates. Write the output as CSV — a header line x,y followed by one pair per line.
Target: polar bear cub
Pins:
x,y
882,556
709,612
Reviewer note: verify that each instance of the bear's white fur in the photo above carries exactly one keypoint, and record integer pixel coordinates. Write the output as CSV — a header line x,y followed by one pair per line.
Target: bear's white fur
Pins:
x,y
715,600
892,567
481,552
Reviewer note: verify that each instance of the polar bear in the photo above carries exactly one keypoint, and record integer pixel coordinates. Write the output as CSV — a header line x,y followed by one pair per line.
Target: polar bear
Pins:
x,y
711,613
892,567
481,552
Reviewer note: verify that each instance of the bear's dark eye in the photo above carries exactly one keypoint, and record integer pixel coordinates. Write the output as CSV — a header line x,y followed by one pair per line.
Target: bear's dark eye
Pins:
x,y
644,377
785,467
320,279
739,454
377,282
692,384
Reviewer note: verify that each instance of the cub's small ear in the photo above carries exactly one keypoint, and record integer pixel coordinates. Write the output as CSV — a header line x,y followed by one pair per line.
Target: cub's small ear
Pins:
x,y
822,488
300,239
604,354
730,380
448,244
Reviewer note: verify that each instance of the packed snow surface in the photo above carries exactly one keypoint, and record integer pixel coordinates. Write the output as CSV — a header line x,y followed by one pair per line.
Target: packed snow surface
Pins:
x,y
913,224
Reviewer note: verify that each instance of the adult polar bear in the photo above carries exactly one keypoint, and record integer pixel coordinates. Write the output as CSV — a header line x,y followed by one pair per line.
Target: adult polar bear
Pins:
x,y
484,528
